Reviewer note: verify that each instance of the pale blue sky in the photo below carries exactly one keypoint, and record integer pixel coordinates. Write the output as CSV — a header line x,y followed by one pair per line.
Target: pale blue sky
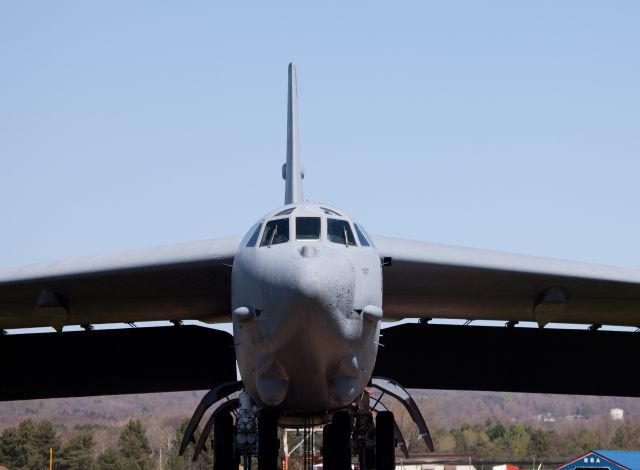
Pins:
x,y
506,125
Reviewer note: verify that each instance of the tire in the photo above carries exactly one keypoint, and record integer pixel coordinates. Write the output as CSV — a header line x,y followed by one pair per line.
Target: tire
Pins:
x,y
385,441
268,443
328,448
341,441
223,445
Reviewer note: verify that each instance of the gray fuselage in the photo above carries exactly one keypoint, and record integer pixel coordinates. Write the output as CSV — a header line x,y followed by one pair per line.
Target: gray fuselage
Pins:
x,y
306,304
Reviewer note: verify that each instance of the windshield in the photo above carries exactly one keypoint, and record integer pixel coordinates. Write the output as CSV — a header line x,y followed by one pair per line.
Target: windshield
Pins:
x,y
339,231
251,237
286,211
364,240
307,228
276,231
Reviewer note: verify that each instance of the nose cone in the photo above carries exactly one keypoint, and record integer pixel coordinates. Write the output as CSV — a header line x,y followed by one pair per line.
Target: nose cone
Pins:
x,y
307,348
318,290
309,251
313,329
308,289
304,283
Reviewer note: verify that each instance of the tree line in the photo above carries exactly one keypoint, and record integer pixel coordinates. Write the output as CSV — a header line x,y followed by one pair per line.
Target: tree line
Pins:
x,y
494,440
26,446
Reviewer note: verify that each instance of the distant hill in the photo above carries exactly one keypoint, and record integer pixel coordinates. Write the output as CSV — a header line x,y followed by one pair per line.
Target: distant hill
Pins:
x,y
449,409
106,415
162,413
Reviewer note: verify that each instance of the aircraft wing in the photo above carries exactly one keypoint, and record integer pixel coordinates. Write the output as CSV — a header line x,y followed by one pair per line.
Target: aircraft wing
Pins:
x,y
430,280
183,281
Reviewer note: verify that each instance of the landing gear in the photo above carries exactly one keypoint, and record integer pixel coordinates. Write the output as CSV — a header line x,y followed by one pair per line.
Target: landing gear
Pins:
x,y
240,432
223,447
367,458
385,441
246,431
394,390
364,432
375,445
268,443
328,448
337,442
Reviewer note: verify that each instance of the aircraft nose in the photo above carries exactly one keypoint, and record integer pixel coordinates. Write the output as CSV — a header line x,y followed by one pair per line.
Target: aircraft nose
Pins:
x,y
307,338
305,279
308,251
324,278
308,289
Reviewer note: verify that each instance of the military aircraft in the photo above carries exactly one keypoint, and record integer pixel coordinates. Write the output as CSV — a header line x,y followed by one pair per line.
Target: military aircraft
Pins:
x,y
306,290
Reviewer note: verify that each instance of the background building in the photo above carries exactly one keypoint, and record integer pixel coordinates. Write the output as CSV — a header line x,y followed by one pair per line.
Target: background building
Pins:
x,y
605,459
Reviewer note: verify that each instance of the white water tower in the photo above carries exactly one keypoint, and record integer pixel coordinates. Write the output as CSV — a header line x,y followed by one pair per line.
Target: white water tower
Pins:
x,y
617,414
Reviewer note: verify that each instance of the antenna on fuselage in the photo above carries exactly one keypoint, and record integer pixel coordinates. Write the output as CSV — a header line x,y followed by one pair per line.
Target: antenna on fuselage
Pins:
x,y
292,171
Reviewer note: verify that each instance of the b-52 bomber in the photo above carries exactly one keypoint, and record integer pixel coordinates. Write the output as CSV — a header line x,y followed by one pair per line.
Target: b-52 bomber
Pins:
x,y
306,290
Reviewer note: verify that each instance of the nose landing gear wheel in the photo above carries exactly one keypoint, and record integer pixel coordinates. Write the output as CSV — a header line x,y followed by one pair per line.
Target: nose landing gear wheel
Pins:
x,y
268,443
223,442
328,450
337,442
385,441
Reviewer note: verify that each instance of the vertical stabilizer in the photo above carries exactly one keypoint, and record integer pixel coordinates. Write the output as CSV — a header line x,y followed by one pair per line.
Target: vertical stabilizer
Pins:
x,y
292,171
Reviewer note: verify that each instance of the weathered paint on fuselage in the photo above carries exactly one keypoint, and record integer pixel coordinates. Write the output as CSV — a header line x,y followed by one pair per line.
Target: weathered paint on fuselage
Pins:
x,y
303,342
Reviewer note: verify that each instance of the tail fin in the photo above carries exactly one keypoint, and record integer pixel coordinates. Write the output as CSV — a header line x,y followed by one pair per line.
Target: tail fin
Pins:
x,y
292,171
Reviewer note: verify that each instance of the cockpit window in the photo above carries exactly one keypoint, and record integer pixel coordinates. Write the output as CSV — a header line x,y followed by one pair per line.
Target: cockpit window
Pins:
x,y
252,235
367,236
330,211
285,212
339,231
276,231
361,236
307,228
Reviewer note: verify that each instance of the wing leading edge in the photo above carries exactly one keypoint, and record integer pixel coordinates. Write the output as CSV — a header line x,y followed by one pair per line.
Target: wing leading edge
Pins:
x,y
431,280
183,281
